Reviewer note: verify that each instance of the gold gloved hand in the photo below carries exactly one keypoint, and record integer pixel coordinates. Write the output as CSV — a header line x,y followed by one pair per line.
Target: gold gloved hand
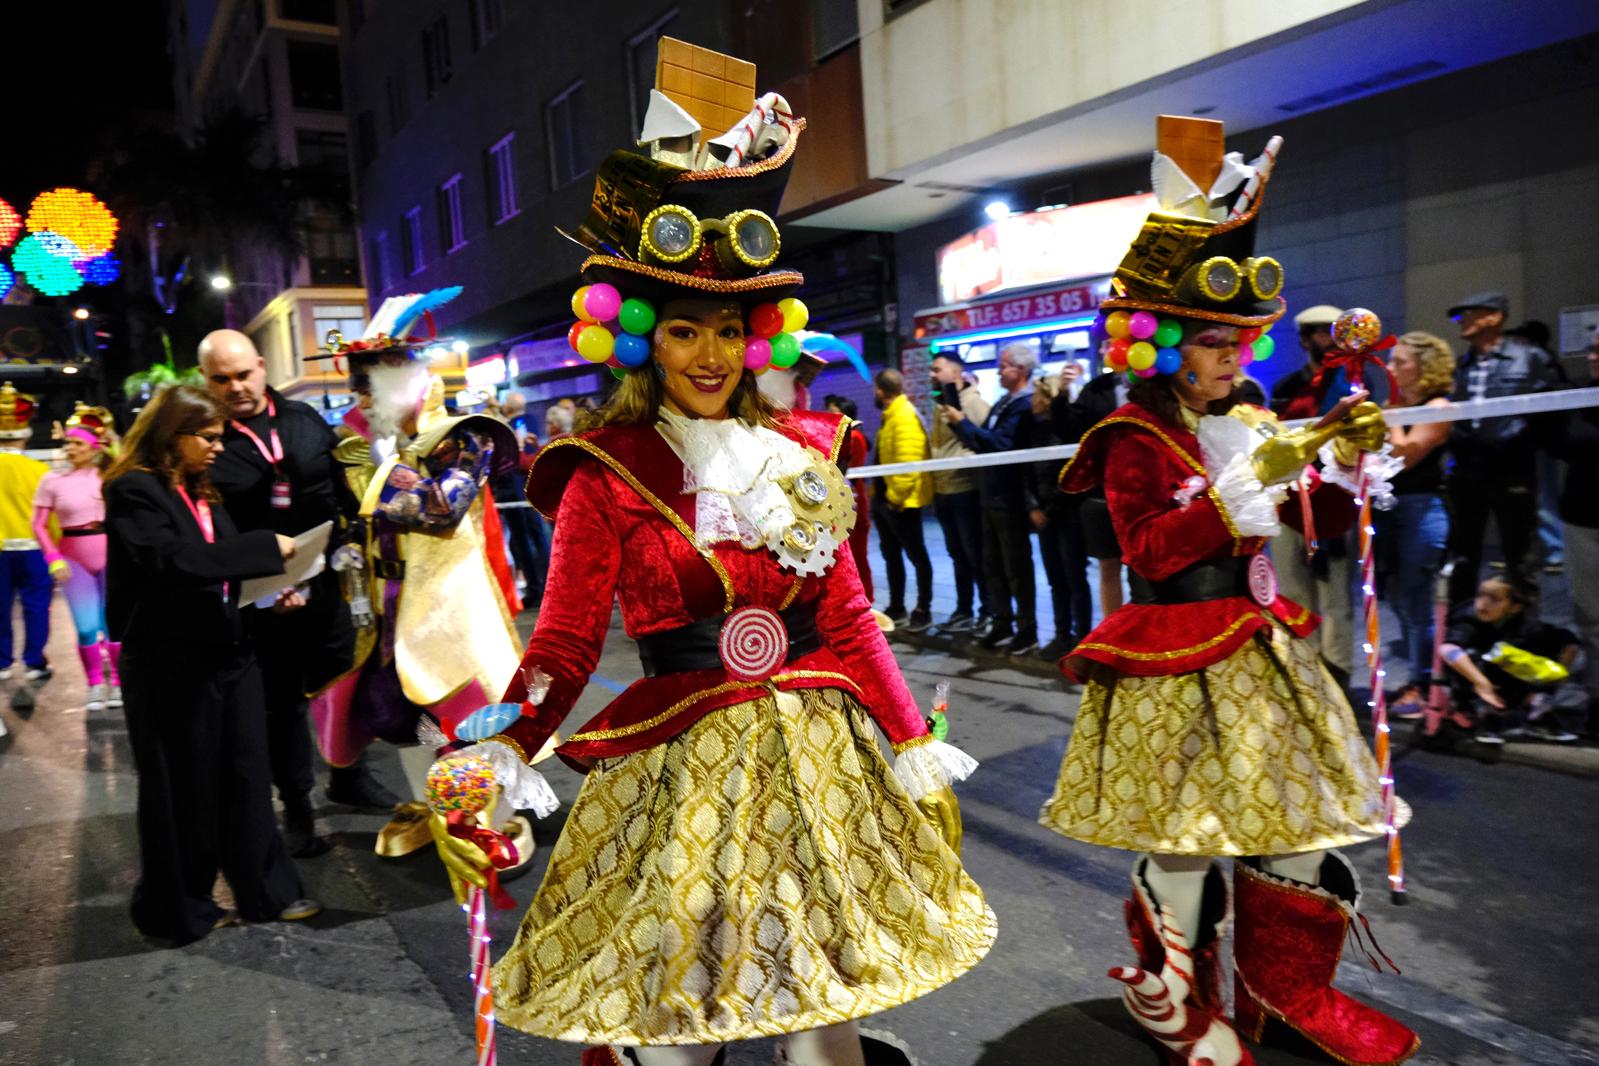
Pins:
x,y
944,812
1363,430
463,860
1285,456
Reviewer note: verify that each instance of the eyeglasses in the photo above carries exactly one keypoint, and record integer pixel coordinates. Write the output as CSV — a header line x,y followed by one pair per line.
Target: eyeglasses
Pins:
x,y
672,233
211,439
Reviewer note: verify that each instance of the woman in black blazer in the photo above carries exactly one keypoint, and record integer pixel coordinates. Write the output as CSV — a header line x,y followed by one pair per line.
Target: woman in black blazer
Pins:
x,y
194,705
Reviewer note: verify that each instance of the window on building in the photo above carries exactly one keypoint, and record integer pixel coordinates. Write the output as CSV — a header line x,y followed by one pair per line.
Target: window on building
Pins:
x,y
641,49
314,76
366,140
330,252
322,12
835,24
394,96
436,68
563,125
348,319
486,17
452,228
322,150
382,265
411,260
500,178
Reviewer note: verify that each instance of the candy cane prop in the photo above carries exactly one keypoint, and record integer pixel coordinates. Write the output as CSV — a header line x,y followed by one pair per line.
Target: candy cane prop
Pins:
x,y
482,995
1379,700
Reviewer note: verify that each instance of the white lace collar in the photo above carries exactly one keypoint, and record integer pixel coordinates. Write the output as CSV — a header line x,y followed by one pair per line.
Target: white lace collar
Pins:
x,y
736,472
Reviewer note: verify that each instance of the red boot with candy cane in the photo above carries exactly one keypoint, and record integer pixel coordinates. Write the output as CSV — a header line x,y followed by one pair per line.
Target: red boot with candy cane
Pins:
x,y
1174,993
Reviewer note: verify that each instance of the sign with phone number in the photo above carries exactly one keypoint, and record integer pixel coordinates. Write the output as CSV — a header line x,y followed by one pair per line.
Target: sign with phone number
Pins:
x,y
1012,311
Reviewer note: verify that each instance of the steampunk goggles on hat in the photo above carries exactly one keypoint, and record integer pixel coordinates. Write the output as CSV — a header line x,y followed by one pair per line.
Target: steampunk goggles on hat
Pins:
x,y
743,241
1221,280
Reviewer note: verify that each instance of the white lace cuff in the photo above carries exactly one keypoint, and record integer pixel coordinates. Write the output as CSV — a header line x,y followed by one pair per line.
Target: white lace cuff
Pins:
x,y
524,787
1249,507
1379,468
928,767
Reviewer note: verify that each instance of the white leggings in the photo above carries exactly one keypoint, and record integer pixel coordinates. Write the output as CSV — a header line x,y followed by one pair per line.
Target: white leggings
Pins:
x,y
836,1045
1178,882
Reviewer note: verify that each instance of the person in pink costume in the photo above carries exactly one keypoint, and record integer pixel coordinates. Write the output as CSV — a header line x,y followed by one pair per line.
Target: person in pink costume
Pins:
x,y
77,559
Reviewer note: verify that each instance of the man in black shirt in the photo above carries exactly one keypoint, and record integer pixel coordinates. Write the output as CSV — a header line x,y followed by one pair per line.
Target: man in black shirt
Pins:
x,y
277,472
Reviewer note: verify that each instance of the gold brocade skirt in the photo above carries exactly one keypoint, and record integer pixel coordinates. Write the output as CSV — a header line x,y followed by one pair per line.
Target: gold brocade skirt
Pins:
x,y
761,873
1256,755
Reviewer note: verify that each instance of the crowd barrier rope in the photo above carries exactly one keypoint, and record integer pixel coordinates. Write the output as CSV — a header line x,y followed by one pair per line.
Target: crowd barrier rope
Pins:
x,y
1499,407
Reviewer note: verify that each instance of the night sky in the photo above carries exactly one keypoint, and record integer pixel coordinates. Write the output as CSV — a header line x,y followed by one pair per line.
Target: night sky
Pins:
x,y
75,75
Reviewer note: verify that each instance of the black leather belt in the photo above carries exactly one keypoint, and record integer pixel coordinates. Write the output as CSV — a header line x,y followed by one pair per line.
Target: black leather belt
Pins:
x,y
696,646
1213,579
84,531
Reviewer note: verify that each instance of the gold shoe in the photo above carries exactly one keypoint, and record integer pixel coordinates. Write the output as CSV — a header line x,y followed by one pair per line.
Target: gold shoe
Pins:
x,y
520,830
405,832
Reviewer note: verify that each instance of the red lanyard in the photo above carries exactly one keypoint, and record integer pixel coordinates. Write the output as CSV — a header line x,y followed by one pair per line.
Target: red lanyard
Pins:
x,y
201,510
275,454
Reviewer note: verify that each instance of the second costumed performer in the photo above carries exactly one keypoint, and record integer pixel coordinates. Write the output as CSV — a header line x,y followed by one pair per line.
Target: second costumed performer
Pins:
x,y
742,861
1208,726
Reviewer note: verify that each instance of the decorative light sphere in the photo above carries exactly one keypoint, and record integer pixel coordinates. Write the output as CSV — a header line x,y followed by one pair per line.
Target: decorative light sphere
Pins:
x,y
76,215
1356,329
101,270
10,223
7,279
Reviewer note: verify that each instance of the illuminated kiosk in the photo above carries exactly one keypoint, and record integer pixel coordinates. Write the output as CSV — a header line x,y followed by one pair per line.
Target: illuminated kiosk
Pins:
x,y
1036,277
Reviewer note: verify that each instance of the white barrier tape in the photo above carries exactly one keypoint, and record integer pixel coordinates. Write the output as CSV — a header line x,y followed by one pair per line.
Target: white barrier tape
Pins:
x,y
1499,407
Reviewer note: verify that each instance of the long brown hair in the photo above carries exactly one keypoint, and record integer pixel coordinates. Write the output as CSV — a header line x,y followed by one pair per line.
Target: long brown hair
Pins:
x,y
151,445
637,400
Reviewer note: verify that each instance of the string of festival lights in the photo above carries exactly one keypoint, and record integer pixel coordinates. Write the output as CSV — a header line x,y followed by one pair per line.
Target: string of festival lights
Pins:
x,y
67,244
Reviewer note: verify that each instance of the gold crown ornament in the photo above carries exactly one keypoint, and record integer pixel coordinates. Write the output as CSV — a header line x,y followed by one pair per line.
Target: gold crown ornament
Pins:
x,y
16,413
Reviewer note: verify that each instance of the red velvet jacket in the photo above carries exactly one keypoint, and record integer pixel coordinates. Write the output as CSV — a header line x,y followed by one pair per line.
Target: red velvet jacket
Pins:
x,y
1143,460
624,527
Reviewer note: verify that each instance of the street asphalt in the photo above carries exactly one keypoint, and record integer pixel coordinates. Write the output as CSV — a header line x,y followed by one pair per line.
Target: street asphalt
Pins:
x,y
1493,941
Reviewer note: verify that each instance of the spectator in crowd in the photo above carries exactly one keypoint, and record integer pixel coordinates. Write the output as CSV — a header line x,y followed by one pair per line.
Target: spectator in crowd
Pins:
x,y
853,454
530,546
1510,669
72,497
23,573
1071,419
1412,536
1054,515
1495,465
1536,333
276,472
898,502
1575,438
955,497
557,421
194,703
1007,546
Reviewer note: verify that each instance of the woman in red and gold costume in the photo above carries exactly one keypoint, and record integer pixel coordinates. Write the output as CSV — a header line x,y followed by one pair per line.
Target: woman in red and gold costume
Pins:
x,y
742,861
1208,727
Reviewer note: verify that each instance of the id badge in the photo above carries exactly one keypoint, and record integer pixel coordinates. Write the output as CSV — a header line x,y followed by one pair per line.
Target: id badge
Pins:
x,y
282,497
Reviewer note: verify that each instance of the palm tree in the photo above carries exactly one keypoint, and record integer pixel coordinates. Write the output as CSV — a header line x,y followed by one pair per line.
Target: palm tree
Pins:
x,y
187,206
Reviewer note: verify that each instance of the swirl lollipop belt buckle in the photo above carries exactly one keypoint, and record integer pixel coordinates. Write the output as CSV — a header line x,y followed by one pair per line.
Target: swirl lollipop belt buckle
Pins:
x,y
753,644
1262,581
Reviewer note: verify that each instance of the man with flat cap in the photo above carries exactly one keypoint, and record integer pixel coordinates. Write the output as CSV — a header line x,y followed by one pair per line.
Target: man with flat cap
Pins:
x,y
1495,468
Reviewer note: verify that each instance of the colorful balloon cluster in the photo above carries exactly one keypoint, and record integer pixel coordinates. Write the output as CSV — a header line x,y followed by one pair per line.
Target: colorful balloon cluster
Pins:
x,y
615,331
1143,345
68,244
773,327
